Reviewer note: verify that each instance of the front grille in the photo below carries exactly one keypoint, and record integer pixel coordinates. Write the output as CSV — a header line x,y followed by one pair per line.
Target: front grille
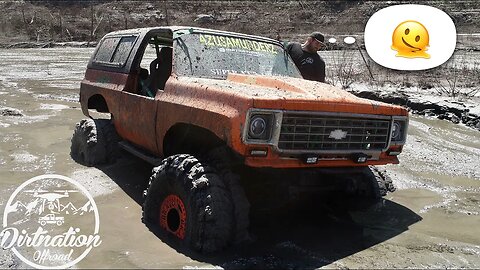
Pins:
x,y
319,132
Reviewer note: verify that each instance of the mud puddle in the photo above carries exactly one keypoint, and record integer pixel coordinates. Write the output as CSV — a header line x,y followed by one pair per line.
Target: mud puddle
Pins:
x,y
430,221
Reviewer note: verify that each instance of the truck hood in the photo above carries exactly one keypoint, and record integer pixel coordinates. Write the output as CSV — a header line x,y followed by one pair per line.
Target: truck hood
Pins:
x,y
286,93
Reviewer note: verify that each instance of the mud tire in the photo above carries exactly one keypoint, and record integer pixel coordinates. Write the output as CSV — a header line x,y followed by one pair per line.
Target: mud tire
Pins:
x,y
224,159
94,142
208,225
380,182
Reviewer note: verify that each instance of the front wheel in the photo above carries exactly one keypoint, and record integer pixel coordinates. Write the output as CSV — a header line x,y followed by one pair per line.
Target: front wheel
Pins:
x,y
380,182
368,187
188,201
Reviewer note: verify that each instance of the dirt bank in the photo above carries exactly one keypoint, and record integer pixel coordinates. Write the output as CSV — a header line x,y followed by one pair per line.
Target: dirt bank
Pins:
x,y
59,21
457,111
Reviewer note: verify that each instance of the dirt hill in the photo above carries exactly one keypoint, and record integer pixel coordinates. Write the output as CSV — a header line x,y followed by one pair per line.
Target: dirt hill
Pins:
x,y
68,20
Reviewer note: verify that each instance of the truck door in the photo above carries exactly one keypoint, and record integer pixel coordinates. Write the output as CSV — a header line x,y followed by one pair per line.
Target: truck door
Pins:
x,y
151,66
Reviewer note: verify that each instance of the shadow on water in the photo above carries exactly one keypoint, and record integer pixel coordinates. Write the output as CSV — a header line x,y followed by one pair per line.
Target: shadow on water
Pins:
x,y
130,174
308,235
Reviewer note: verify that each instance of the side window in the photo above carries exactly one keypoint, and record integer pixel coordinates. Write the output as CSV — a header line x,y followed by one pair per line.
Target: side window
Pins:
x,y
114,51
123,50
106,49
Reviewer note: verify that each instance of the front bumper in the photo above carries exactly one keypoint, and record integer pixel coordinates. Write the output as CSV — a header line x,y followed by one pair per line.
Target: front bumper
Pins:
x,y
320,139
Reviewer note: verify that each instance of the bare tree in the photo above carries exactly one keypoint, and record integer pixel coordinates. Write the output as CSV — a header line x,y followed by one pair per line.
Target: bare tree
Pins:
x,y
70,36
60,17
52,26
27,23
94,22
459,77
344,70
448,85
3,26
166,12
125,17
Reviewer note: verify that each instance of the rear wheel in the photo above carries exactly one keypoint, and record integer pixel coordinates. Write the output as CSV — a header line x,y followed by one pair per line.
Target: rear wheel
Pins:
x,y
188,201
94,142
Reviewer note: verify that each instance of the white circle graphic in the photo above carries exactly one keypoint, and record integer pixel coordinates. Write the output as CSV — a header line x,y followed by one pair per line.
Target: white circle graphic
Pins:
x,y
84,192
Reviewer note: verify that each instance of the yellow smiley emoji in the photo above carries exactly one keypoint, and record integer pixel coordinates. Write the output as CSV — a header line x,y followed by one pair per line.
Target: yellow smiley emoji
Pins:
x,y
410,39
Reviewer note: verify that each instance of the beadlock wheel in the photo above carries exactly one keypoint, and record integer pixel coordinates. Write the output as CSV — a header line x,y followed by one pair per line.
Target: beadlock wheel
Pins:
x,y
173,216
189,203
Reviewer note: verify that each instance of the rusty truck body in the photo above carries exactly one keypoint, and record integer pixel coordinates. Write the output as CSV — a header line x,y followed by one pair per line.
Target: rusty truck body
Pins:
x,y
176,93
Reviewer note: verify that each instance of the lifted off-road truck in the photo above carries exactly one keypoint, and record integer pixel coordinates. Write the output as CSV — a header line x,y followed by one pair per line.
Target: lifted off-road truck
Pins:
x,y
205,106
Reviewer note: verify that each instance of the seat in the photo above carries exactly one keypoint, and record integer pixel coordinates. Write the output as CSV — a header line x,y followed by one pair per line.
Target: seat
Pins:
x,y
160,70
143,82
165,68
152,80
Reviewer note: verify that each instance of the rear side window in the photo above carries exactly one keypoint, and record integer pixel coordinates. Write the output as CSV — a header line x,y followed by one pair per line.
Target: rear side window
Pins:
x,y
106,49
114,51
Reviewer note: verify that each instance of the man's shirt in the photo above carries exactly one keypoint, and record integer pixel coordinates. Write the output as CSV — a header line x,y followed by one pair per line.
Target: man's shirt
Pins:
x,y
311,65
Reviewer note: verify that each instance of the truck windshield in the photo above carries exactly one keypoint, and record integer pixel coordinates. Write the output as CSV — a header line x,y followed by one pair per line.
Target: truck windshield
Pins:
x,y
215,56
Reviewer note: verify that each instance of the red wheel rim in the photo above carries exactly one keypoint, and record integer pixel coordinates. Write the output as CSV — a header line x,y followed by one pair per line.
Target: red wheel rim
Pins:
x,y
173,216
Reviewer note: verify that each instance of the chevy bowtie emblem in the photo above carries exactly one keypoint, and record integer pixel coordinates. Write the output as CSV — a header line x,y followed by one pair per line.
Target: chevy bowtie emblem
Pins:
x,y
338,134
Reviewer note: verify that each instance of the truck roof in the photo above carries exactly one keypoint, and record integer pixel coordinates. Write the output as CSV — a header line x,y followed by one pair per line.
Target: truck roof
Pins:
x,y
144,31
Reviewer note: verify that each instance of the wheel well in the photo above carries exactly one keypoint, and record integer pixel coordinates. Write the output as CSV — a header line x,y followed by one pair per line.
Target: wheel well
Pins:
x,y
98,103
186,138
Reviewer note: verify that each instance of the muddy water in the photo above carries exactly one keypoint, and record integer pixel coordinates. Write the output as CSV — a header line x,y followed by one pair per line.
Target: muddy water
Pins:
x,y
430,221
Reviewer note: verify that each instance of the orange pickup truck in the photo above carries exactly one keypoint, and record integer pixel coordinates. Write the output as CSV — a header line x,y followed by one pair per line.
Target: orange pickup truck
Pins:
x,y
199,104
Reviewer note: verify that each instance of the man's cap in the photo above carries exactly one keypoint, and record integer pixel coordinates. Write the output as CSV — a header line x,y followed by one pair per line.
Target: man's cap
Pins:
x,y
318,36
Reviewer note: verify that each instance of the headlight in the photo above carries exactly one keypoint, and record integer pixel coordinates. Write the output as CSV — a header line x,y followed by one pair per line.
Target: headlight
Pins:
x,y
396,128
260,127
398,131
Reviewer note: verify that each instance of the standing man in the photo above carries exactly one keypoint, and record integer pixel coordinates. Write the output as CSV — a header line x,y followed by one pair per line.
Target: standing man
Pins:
x,y
306,58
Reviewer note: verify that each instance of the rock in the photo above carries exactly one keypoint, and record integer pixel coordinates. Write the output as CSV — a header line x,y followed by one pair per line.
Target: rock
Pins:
x,y
429,112
5,111
205,18
467,117
150,7
449,116
159,16
455,119
425,107
472,123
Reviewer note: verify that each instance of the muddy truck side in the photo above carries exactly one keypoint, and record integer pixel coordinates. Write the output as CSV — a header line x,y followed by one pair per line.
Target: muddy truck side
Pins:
x,y
209,109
